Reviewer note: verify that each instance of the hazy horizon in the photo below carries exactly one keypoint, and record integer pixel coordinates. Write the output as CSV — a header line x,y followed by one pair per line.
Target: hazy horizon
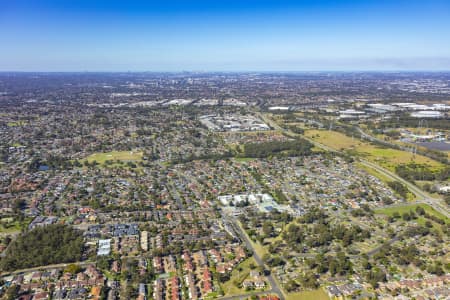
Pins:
x,y
236,36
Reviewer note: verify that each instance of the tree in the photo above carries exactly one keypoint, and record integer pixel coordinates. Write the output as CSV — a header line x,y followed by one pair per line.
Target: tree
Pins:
x,y
427,187
447,199
375,276
435,269
399,188
299,147
267,228
46,245
387,201
291,286
103,262
420,211
19,204
223,277
309,281
366,264
12,292
73,269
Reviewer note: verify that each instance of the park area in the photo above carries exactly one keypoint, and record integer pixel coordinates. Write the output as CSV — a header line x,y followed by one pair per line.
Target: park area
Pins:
x,y
318,294
114,156
238,275
386,157
390,211
429,218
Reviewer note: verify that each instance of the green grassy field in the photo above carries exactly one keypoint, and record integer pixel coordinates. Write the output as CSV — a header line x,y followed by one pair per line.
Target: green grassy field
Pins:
x,y
407,208
229,287
15,124
318,294
8,226
386,157
9,230
212,295
115,155
244,159
260,250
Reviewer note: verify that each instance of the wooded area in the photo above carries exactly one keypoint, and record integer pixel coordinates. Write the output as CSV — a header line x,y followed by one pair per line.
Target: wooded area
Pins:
x,y
42,246
298,147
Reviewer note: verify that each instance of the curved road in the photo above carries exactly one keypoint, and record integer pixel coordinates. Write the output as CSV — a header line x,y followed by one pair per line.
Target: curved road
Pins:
x,y
422,196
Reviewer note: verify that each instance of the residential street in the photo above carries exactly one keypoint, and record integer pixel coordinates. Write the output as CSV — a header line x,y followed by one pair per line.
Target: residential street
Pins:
x,y
275,287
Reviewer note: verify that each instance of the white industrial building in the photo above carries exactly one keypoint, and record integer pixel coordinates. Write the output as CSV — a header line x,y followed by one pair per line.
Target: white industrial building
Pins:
x,y
104,247
427,114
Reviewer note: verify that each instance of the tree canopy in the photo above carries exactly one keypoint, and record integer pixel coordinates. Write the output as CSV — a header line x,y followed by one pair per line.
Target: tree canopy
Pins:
x,y
43,246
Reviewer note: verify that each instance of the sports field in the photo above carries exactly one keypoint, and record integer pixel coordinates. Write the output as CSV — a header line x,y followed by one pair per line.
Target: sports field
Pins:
x,y
115,155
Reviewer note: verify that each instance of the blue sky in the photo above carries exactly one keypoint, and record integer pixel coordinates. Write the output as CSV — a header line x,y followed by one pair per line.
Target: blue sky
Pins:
x,y
213,35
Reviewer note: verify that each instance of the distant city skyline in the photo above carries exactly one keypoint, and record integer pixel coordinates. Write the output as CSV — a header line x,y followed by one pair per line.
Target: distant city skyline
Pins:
x,y
45,35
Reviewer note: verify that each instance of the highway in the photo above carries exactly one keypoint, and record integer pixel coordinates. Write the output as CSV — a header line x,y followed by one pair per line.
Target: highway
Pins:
x,y
422,197
375,139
